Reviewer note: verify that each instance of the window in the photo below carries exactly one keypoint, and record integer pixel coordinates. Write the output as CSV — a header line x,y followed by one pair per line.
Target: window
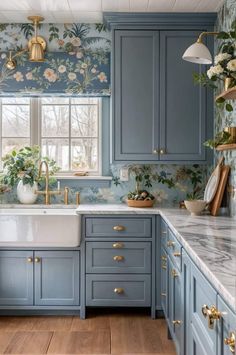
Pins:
x,y
67,129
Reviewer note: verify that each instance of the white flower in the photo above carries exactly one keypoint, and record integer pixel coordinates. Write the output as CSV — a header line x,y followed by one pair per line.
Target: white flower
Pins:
x,y
71,76
62,69
79,54
216,70
29,75
102,77
84,65
50,75
81,71
3,55
232,65
18,76
221,56
93,70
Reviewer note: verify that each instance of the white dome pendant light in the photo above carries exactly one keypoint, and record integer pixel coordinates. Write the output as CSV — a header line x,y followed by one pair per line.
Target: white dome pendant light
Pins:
x,y
198,52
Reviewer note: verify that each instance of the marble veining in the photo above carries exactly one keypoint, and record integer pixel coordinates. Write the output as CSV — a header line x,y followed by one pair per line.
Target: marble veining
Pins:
x,y
209,241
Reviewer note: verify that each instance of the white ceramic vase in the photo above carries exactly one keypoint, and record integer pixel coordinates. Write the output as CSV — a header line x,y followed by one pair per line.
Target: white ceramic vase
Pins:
x,y
26,193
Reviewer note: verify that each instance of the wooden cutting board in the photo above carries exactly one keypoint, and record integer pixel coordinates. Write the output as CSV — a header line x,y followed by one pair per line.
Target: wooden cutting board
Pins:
x,y
216,202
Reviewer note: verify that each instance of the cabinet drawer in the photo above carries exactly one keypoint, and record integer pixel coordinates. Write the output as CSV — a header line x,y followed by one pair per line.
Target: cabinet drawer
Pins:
x,y
118,257
164,233
118,290
174,250
118,227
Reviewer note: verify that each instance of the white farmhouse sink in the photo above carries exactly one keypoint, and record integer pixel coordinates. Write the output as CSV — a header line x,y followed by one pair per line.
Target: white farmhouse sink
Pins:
x,y
39,227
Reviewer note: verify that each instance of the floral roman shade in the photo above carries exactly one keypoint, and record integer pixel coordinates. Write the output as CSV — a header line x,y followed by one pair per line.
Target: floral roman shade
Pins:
x,y
77,61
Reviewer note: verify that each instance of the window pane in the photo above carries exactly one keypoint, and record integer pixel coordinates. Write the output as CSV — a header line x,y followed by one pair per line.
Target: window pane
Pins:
x,y
55,100
16,100
84,121
8,144
15,121
84,154
55,121
57,149
84,100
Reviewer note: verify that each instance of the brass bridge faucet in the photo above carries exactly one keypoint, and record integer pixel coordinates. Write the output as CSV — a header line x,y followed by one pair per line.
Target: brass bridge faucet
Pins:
x,y
46,192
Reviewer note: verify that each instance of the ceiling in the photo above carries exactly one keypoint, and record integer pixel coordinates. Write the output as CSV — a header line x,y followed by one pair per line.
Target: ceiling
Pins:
x,y
90,11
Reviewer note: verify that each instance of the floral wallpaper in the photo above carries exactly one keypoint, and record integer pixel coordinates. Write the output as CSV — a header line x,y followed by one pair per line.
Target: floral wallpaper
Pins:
x,y
77,60
226,15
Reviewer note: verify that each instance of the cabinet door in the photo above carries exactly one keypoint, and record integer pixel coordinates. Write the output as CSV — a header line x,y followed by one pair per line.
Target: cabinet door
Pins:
x,y
57,278
175,306
226,329
182,104
202,294
164,282
16,278
135,96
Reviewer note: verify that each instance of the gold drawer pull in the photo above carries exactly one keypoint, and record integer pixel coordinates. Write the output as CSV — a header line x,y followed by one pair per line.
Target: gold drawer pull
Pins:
x,y
30,260
118,245
163,258
176,322
118,228
163,266
177,254
37,260
230,341
170,243
212,314
119,290
174,273
118,258
163,294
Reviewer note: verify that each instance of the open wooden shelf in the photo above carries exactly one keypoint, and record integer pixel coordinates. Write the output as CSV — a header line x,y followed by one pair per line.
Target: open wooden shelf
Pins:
x,y
229,94
226,147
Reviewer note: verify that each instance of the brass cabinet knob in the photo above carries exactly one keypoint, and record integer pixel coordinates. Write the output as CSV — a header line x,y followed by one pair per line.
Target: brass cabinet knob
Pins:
x,y
164,258
176,322
212,314
118,258
177,254
163,266
155,151
37,260
118,228
174,273
118,245
30,260
230,341
118,290
162,151
170,243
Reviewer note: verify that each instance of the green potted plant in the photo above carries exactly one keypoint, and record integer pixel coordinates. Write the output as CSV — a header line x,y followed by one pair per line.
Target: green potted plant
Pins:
x,y
21,169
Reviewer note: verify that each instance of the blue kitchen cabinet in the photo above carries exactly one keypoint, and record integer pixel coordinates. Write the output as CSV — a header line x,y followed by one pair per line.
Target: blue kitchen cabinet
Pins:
x,y
226,329
56,278
16,278
158,114
39,278
135,95
203,328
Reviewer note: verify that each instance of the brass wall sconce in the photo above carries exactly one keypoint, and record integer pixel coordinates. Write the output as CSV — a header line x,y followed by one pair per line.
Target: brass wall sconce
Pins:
x,y
198,52
36,46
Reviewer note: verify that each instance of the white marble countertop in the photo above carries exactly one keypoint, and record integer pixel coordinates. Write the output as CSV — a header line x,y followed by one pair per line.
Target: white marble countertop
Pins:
x,y
210,241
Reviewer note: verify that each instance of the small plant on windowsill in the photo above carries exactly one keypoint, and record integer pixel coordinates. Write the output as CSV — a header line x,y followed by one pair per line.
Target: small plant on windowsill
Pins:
x,y
21,169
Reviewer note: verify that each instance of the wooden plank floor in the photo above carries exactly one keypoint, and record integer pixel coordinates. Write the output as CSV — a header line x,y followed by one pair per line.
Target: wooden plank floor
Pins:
x,y
103,332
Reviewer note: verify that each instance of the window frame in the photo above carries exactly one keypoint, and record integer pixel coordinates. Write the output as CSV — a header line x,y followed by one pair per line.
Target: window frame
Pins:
x,y
36,136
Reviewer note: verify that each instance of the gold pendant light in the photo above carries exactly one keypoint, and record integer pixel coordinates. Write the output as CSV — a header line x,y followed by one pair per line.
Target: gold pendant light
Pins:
x,y
37,44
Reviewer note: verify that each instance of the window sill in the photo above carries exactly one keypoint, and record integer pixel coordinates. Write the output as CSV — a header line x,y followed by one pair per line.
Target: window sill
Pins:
x,y
86,181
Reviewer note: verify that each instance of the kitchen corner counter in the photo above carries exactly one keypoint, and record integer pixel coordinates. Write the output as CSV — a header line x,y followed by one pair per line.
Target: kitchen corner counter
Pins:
x,y
209,241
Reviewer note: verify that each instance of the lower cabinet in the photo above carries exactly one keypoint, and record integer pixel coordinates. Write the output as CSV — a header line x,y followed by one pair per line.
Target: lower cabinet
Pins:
x,y
39,278
16,278
226,329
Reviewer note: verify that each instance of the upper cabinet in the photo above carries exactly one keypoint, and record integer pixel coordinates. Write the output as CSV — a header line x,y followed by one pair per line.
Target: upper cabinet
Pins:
x,y
158,114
